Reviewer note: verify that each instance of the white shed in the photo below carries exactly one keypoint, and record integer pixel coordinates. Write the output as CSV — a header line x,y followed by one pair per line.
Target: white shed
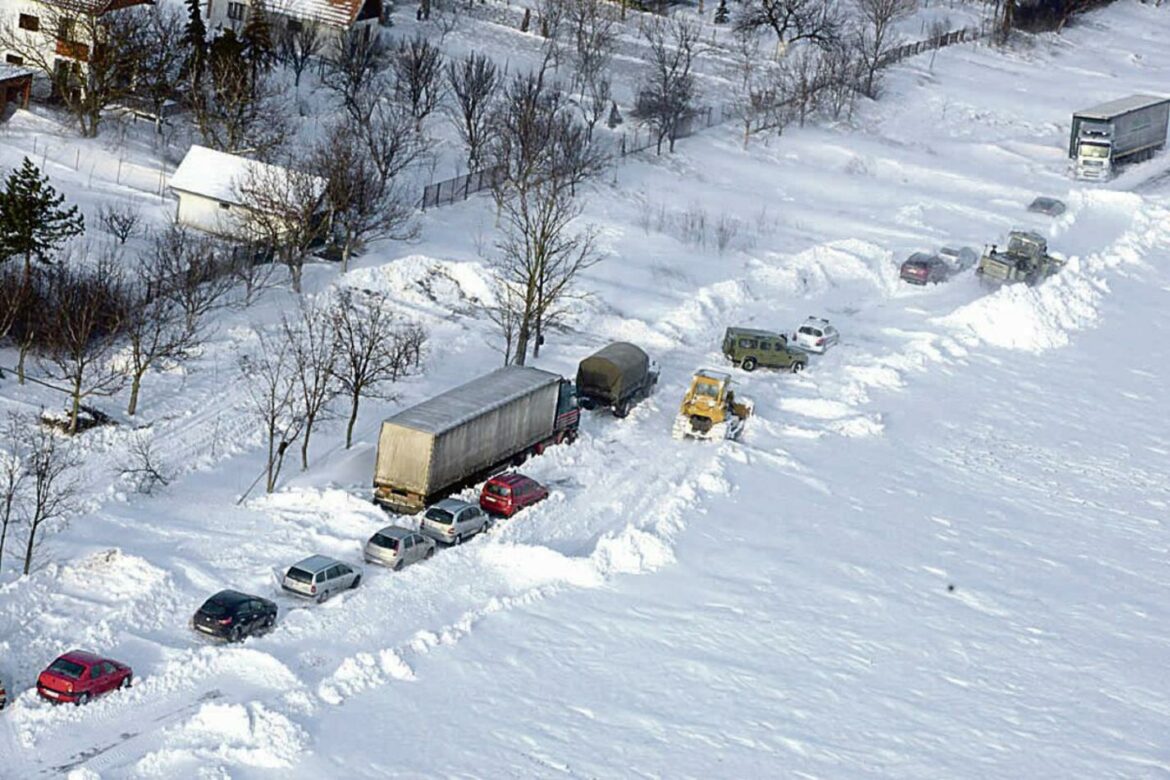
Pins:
x,y
208,185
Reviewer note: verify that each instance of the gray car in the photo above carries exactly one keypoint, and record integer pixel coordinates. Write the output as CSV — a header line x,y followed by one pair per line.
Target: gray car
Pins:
x,y
451,521
319,577
398,547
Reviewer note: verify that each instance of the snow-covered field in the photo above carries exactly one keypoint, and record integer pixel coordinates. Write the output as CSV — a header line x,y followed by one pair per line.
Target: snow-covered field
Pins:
x,y
942,551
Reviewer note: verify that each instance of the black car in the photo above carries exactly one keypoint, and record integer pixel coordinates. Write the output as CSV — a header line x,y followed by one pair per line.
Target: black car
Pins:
x,y
922,268
232,615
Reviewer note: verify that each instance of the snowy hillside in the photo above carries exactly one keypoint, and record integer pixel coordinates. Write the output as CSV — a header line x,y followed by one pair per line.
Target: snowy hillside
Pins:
x,y
941,551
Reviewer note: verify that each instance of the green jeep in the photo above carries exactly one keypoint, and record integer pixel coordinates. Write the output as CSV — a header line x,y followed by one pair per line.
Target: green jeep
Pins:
x,y
748,348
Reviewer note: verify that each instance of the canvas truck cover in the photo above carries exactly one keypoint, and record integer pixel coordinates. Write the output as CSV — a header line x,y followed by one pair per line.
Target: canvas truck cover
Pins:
x,y
439,442
612,372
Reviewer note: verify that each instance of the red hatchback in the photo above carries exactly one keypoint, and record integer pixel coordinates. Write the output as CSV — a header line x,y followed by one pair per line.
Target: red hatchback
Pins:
x,y
507,494
79,676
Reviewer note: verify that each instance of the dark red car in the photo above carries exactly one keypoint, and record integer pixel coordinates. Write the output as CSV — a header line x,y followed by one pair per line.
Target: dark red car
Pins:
x,y
79,676
507,494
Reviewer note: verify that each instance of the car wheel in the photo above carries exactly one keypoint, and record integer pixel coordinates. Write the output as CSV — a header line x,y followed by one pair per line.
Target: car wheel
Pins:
x,y
458,539
797,366
398,565
322,596
749,364
127,681
430,553
356,581
81,699
269,621
235,635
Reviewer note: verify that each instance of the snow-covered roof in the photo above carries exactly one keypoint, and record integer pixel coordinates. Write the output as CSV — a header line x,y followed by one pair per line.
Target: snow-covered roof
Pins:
x,y
339,13
14,71
455,407
218,175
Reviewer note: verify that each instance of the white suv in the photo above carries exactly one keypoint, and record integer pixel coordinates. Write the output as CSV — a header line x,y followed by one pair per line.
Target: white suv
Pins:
x,y
816,335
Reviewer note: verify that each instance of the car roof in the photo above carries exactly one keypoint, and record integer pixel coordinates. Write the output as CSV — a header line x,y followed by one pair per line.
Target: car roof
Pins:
x,y
451,505
511,480
764,334
81,657
920,257
315,563
232,596
396,532
816,321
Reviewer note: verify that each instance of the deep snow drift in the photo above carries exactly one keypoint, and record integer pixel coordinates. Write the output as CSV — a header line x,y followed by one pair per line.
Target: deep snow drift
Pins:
x,y
777,606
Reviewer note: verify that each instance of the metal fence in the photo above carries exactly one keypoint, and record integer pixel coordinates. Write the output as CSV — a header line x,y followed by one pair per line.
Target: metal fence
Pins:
x,y
937,42
442,193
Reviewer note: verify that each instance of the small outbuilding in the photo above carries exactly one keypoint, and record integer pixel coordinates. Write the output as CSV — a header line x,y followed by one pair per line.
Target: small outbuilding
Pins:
x,y
15,87
210,186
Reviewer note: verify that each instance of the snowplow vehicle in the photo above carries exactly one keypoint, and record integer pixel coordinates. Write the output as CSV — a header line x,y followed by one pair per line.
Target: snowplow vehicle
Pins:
x,y
710,409
1026,259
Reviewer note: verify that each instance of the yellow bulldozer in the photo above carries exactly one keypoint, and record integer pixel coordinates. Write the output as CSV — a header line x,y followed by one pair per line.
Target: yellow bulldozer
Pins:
x,y
710,409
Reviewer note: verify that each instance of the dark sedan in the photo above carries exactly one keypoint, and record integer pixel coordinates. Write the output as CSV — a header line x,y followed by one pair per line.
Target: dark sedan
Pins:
x,y
232,615
922,268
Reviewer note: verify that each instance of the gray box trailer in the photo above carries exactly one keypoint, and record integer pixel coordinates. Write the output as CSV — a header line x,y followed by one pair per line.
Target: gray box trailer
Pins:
x,y
456,438
1120,131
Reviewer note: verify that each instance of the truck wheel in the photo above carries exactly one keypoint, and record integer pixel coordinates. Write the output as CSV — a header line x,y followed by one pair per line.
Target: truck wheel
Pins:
x,y
749,364
622,409
797,367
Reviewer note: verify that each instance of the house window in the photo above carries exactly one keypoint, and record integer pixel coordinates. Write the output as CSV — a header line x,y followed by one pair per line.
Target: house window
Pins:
x,y
295,26
13,59
236,11
29,22
225,206
65,30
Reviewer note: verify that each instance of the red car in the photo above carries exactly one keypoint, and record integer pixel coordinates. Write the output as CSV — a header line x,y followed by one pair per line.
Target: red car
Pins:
x,y
507,494
79,676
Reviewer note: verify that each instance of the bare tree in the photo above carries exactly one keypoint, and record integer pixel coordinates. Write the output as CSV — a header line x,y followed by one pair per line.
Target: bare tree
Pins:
x,y
360,165
875,35
142,466
815,21
193,270
270,379
86,321
121,220
284,213
314,353
506,313
90,56
804,74
758,95
474,82
235,106
354,69
49,462
164,55
541,256
592,26
418,76
374,348
298,43
668,90
12,475
552,16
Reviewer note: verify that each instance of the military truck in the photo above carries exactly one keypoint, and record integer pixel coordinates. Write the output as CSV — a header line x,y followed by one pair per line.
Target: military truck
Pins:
x,y
616,376
1026,259
463,435
748,348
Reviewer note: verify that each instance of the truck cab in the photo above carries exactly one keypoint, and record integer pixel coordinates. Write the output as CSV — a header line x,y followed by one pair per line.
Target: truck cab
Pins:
x,y
1094,151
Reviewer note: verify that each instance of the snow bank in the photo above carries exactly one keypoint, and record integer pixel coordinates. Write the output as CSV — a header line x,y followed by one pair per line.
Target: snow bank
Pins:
x,y
249,735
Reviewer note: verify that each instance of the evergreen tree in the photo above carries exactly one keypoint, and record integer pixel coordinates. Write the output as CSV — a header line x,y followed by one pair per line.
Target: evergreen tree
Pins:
x,y
196,39
721,13
33,223
257,37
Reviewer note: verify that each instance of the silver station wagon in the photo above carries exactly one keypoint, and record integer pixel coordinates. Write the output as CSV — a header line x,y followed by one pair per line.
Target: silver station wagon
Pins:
x,y
319,577
398,547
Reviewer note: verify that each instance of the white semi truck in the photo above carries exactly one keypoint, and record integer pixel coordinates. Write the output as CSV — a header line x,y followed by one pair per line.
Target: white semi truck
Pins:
x,y
1117,132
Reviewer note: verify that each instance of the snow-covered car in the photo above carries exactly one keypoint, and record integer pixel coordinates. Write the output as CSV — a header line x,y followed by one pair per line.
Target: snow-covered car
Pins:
x,y
1049,206
451,521
959,259
319,577
3,694
398,547
816,335
79,676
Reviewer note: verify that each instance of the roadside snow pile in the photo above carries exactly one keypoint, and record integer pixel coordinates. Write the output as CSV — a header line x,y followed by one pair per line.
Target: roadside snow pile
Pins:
x,y
426,280
112,576
834,264
631,551
362,672
525,566
238,735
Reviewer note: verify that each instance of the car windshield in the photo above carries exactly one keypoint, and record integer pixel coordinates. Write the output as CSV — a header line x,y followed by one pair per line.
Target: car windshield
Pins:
x,y
440,516
499,490
213,608
300,575
67,668
808,331
385,541
1096,151
712,391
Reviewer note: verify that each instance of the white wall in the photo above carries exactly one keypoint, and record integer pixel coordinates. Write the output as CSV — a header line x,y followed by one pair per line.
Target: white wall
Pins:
x,y
208,215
